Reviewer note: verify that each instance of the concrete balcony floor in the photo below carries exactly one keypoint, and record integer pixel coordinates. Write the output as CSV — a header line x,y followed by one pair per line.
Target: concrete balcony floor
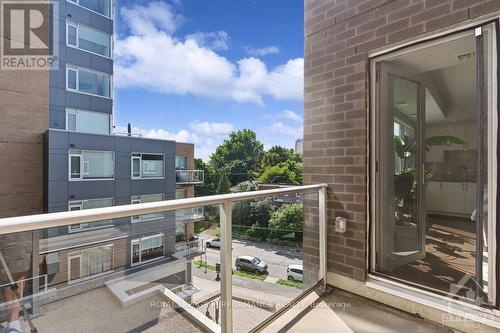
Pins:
x,y
348,313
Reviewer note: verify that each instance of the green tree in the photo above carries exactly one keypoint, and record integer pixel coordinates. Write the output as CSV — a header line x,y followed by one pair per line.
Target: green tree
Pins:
x,y
224,184
209,187
260,212
277,154
286,219
289,172
239,156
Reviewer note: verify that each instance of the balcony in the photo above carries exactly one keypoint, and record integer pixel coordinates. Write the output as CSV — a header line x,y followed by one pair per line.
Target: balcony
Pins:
x,y
189,249
189,177
189,214
168,293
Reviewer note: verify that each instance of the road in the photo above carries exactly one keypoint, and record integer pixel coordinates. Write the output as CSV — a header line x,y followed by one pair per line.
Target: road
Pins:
x,y
251,284
277,257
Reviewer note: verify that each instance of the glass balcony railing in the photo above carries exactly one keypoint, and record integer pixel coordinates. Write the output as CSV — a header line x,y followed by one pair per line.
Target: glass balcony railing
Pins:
x,y
189,214
189,176
132,277
191,248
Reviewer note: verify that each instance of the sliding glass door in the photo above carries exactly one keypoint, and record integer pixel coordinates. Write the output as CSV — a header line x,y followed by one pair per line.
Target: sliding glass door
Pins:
x,y
434,165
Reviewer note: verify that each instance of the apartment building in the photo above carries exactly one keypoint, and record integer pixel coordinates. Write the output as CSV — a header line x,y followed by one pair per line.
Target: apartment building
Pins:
x,y
58,127
401,119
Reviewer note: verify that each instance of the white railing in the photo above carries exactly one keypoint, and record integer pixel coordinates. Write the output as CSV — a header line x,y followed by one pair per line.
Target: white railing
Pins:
x,y
189,176
189,248
42,221
189,214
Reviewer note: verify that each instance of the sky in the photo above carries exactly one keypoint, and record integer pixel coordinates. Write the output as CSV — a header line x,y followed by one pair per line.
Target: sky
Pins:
x,y
196,70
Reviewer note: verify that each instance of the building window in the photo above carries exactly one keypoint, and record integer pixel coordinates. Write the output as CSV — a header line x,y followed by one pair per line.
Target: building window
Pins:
x,y
147,248
90,262
102,7
147,166
88,81
88,204
180,193
180,232
180,162
137,199
91,165
87,121
88,39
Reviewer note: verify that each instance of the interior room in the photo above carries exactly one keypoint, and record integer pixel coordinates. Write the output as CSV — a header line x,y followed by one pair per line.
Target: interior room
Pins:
x,y
430,97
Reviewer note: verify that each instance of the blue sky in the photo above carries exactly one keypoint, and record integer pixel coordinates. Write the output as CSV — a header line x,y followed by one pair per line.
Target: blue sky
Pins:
x,y
194,70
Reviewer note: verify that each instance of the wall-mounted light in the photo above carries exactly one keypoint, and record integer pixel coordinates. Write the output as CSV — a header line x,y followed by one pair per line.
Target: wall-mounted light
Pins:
x,y
340,224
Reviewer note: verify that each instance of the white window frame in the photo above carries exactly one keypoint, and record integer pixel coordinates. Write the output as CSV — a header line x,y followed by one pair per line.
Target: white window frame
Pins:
x,y
83,164
139,240
77,69
72,111
78,254
74,228
111,9
77,46
134,155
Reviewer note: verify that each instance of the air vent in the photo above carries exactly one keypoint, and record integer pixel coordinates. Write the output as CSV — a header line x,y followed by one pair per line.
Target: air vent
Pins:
x,y
466,56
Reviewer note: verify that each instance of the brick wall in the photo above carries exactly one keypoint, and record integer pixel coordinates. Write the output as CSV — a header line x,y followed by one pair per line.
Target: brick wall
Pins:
x,y
23,120
338,36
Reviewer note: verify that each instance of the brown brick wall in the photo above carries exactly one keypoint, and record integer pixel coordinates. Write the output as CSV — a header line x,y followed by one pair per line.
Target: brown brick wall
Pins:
x,y
338,36
23,120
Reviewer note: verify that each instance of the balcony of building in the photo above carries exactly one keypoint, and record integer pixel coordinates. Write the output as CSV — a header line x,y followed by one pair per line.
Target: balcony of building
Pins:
x,y
185,291
189,177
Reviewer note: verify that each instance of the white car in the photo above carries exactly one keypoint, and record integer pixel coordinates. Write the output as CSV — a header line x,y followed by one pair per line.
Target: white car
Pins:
x,y
214,242
295,273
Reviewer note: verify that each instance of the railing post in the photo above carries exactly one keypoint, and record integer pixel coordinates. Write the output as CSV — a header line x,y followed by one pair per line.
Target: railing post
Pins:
x,y
323,262
226,267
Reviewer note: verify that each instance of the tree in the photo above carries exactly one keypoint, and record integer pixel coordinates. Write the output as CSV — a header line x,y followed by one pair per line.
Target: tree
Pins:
x,y
287,219
239,156
224,184
260,212
289,172
277,154
209,186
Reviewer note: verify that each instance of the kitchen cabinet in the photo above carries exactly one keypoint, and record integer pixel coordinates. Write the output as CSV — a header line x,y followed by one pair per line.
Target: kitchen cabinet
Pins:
x,y
433,196
450,198
435,153
466,132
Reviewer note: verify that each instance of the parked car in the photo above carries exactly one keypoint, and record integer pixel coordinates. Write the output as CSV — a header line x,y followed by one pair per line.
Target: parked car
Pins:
x,y
214,242
252,264
295,273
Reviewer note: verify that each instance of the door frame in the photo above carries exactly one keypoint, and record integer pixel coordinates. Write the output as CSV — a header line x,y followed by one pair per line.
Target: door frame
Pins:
x,y
384,53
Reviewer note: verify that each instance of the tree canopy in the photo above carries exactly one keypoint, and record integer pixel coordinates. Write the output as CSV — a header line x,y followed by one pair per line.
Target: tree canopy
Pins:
x,y
239,156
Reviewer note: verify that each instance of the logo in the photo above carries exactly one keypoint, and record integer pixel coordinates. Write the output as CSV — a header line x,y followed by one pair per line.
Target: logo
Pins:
x,y
30,37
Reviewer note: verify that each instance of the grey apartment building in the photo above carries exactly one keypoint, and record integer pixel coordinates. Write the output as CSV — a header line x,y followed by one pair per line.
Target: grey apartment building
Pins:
x,y
401,119
61,123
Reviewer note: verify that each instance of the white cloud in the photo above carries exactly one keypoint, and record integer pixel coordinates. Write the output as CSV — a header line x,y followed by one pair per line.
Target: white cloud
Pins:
x,y
212,128
213,40
151,58
290,115
148,19
261,51
206,136
280,128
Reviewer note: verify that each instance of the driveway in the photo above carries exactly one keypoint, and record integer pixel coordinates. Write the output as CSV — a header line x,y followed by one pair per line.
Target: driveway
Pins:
x,y
277,257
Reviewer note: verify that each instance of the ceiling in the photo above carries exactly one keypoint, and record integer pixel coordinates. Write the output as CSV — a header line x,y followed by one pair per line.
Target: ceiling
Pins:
x,y
448,72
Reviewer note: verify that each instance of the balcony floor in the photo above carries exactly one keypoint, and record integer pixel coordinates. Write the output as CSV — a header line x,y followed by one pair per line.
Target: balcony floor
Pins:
x,y
351,313
99,311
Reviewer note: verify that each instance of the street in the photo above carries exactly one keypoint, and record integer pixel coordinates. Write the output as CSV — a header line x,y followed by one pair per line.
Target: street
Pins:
x,y
277,257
